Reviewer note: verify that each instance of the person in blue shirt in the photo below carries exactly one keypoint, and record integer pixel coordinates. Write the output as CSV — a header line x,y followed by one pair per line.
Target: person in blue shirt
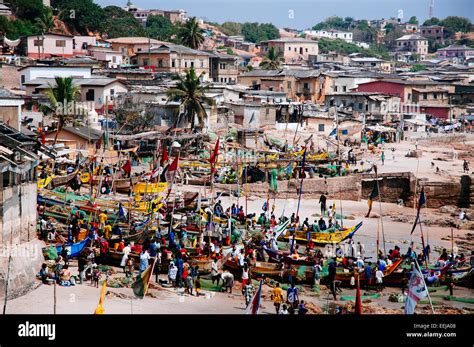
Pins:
x,y
368,274
292,296
179,276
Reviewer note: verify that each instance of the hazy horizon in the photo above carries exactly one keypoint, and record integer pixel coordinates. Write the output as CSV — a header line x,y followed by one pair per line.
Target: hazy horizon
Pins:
x,y
306,13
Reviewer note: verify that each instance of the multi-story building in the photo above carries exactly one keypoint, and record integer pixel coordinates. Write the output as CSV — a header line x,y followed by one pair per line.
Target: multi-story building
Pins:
x,y
460,52
330,34
224,68
130,46
173,58
142,14
414,45
292,50
434,32
50,45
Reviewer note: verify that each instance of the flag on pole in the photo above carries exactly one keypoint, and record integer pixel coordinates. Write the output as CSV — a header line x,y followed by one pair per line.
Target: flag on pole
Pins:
x,y
213,156
171,174
254,305
421,202
164,156
372,196
333,133
140,286
100,307
416,291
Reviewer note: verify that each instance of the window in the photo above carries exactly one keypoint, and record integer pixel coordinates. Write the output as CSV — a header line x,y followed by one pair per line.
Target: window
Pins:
x,y
139,49
425,96
409,96
114,59
320,127
160,62
435,96
145,62
288,84
335,88
22,79
112,91
360,106
306,50
38,43
289,48
90,95
306,85
202,63
173,63
185,64
60,43
192,64
344,88
222,66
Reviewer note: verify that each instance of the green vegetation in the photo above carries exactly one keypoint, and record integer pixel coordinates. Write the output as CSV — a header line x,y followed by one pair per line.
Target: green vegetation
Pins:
x,y
190,34
335,22
118,23
343,47
231,28
255,32
413,20
161,28
81,16
272,61
451,24
417,67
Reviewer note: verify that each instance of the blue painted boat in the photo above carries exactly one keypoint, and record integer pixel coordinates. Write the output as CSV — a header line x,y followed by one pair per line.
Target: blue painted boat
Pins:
x,y
74,249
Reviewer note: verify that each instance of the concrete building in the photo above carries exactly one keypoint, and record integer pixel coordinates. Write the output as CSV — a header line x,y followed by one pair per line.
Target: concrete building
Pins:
x,y
372,64
10,108
112,58
82,138
330,34
175,59
459,52
292,50
433,32
224,68
414,46
129,46
175,16
50,45
367,103
81,43
32,72
21,250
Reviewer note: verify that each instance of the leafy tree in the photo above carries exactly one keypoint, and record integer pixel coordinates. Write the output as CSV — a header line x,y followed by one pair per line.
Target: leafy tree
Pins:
x,y
392,36
60,97
160,28
413,20
255,32
431,21
27,9
46,21
363,25
190,34
389,27
333,22
119,23
134,117
231,28
190,92
454,24
82,16
271,61
14,29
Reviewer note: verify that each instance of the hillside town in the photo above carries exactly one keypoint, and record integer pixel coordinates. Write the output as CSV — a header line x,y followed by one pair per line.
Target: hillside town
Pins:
x,y
165,163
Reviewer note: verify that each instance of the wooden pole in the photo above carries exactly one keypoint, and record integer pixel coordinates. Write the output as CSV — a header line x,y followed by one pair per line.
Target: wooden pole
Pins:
x,y
6,285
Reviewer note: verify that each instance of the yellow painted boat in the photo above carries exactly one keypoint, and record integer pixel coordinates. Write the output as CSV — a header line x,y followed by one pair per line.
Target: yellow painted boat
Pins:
x,y
326,237
144,188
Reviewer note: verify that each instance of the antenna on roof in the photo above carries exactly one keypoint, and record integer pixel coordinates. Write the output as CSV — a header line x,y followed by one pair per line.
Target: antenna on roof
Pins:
x,y
431,9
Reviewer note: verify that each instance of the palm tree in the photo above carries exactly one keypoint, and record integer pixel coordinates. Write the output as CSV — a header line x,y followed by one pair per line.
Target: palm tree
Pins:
x,y
60,98
190,34
190,92
272,61
46,21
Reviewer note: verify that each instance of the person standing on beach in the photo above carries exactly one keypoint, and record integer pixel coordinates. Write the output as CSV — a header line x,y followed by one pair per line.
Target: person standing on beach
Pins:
x,y
322,202
277,297
382,157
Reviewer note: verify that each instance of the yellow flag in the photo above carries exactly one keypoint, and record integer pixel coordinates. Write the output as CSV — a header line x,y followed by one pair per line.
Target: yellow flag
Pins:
x,y
100,308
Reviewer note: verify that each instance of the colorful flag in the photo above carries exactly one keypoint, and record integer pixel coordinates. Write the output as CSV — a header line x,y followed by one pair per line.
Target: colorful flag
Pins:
x,y
100,307
140,286
421,202
171,174
416,291
164,156
213,157
333,133
127,168
254,305
372,196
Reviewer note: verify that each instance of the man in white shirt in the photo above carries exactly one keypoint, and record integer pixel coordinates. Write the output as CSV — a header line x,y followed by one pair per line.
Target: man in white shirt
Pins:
x,y
379,280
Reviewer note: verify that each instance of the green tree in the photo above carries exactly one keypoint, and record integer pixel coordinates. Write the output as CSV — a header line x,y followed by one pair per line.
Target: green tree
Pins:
x,y
272,60
119,23
60,97
190,34
231,28
160,28
431,21
454,24
333,22
191,93
413,20
82,16
46,21
417,67
255,32
27,9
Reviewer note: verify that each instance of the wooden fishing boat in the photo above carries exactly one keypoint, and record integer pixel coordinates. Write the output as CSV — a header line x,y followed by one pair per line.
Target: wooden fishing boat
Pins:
x,y
74,249
393,274
55,181
323,238
119,184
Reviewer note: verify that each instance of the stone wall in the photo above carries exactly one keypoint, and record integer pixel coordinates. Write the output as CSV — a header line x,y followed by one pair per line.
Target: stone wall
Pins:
x,y
395,188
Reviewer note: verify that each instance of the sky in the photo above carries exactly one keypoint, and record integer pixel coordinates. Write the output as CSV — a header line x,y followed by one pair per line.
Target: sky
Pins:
x,y
301,14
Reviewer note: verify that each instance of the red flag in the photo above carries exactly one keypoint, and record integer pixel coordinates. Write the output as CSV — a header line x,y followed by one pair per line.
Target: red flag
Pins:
x,y
214,155
127,167
358,303
171,174
164,156
43,137
174,165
